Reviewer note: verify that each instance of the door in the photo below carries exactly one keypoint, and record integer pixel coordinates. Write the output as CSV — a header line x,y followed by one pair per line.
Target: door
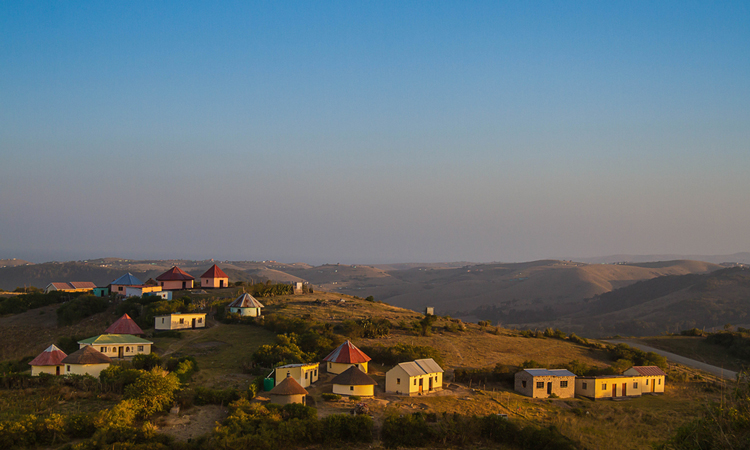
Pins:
x,y
429,385
221,283
653,382
57,370
193,322
614,390
624,389
421,384
549,388
119,352
183,284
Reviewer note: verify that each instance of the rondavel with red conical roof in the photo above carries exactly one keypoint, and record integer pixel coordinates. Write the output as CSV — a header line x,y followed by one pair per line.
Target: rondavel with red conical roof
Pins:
x,y
125,325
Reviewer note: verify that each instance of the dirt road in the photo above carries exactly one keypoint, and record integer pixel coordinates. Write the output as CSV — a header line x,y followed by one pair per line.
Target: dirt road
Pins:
x,y
718,371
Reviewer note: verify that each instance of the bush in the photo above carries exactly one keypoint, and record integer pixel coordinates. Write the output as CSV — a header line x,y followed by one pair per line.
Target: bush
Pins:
x,y
407,431
79,308
206,396
347,428
152,391
330,397
390,356
146,362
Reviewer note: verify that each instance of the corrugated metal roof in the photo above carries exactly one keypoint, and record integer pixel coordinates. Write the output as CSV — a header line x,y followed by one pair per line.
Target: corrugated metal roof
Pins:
x,y
128,280
286,366
112,339
649,371
246,301
124,325
214,272
347,353
175,274
411,368
51,356
420,367
82,285
429,365
550,373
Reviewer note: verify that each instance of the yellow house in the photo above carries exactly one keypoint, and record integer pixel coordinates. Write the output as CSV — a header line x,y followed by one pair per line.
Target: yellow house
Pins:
x,y
345,356
49,361
653,378
118,345
86,361
288,391
180,321
305,374
610,386
543,383
414,377
353,381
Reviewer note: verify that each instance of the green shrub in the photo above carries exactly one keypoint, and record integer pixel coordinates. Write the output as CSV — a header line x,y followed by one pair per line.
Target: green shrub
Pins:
x,y
330,397
146,362
75,310
207,396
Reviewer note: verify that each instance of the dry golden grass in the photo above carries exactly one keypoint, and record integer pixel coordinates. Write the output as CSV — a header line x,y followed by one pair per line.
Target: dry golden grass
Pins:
x,y
697,348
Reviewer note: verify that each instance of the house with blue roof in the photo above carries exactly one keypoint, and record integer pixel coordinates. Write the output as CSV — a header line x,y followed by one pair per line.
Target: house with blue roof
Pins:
x,y
543,383
119,285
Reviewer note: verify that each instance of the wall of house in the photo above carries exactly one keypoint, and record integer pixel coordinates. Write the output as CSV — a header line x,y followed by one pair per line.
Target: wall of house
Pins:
x,y
179,321
563,387
286,399
341,367
362,391
52,370
653,384
138,291
128,350
85,369
118,289
175,285
304,375
601,387
246,312
398,381
212,283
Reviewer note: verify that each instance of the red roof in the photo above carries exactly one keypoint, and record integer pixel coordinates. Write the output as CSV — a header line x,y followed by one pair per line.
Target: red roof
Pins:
x,y
649,371
174,274
124,325
347,353
52,356
214,272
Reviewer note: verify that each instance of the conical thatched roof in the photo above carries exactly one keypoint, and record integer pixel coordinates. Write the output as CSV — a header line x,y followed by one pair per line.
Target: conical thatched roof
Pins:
x,y
87,355
246,301
288,386
353,377
52,356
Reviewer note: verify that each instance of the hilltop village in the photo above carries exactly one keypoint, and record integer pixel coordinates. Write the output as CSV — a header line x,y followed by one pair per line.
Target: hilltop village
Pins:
x,y
174,325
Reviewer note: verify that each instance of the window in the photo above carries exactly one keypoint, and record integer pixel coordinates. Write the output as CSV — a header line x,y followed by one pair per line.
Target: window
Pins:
x,y
398,380
523,383
162,320
104,349
127,349
182,320
646,381
415,382
68,368
316,373
604,386
635,385
200,320
351,388
563,384
584,386
140,348
288,374
540,384
659,380
306,374
119,288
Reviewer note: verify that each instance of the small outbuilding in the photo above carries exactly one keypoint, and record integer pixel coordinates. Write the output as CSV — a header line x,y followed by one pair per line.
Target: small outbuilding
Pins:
x,y
653,378
353,381
141,291
118,286
345,356
49,361
288,391
125,325
175,279
86,361
305,374
214,278
542,383
414,377
101,291
246,305
180,321
118,345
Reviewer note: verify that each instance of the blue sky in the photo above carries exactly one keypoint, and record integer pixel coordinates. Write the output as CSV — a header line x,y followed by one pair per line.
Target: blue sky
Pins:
x,y
369,132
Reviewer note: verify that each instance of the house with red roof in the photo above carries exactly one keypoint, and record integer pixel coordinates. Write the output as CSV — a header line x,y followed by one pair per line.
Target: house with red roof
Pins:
x,y
345,356
49,361
72,286
125,325
175,279
653,378
214,278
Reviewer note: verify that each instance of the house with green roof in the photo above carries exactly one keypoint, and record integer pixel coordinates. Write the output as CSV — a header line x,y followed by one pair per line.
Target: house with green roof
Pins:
x,y
118,346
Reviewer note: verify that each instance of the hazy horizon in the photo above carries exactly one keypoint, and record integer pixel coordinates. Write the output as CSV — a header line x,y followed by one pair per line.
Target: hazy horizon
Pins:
x,y
373,132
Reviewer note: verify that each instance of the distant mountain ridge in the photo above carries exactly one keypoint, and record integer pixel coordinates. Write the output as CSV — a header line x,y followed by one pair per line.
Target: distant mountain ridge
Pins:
x,y
741,257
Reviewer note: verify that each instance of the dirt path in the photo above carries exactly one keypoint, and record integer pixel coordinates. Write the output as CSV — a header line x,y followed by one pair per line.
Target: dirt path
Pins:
x,y
718,371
